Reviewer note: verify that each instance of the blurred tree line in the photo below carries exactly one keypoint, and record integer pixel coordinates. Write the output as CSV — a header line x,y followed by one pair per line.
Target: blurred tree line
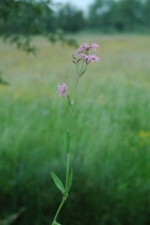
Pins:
x,y
21,19
120,15
30,17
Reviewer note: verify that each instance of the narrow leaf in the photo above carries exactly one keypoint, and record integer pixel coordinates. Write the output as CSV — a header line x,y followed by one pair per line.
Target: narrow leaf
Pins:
x,y
70,179
58,182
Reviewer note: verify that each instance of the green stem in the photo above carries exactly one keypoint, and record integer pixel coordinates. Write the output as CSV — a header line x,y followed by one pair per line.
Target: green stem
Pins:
x,y
81,68
74,97
67,170
66,191
58,210
77,69
76,86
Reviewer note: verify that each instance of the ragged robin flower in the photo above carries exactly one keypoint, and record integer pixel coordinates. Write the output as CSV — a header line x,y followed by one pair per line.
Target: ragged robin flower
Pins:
x,y
82,53
63,89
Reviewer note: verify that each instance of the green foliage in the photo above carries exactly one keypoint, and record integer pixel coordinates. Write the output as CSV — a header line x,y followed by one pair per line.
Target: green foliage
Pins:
x,y
12,218
53,21
69,19
121,16
2,81
110,138
20,20
58,182
16,17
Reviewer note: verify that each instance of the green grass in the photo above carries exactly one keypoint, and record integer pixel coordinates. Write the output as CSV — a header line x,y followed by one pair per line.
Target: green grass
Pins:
x,y
110,135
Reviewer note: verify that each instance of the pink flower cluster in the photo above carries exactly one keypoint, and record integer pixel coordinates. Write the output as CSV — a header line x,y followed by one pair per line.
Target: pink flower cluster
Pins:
x,y
82,53
90,58
85,47
63,89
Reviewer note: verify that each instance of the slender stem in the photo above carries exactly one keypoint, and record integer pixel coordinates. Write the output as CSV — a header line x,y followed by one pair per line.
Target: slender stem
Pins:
x,y
77,69
58,210
66,191
85,67
81,68
74,97
67,170
65,194
76,86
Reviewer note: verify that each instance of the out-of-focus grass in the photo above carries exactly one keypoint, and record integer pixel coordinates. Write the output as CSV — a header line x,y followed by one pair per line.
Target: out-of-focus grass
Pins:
x,y
110,134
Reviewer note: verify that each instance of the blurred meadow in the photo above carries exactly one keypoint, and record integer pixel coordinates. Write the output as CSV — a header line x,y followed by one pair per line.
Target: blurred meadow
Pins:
x,y
110,135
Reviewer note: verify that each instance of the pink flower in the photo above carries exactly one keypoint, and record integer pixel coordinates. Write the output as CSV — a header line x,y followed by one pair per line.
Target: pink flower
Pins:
x,y
85,57
62,89
86,46
94,58
83,48
94,46
90,58
82,53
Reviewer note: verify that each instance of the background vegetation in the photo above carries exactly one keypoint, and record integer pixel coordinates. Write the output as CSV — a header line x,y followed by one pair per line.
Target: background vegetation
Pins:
x,y
103,15
111,132
110,135
20,20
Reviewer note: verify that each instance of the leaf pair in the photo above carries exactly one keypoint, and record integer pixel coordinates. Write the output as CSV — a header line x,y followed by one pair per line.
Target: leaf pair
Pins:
x,y
58,182
60,185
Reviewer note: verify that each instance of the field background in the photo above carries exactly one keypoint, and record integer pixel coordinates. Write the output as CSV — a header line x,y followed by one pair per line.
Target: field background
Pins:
x,y
110,136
